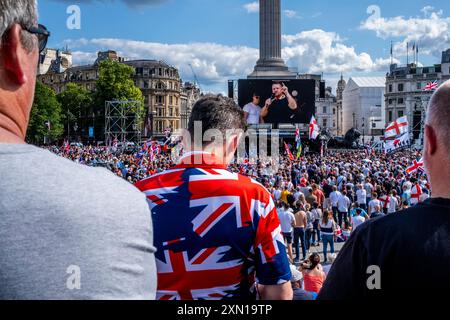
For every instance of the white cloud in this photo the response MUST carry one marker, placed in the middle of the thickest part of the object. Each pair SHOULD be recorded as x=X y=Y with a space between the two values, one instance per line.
x=312 y=51
x=291 y=14
x=252 y=7
x=317 y=14
x=212 y=62
x=431 y=31
x=317 y=51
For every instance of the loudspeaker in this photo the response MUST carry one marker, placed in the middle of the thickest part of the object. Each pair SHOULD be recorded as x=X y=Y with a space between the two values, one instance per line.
x=231 y=89
x=322 y=89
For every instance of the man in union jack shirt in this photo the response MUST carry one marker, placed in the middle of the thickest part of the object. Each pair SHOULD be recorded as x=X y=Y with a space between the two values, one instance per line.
x=216 y=232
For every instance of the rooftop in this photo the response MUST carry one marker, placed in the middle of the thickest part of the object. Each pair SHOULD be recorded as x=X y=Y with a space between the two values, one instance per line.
x=364 y=82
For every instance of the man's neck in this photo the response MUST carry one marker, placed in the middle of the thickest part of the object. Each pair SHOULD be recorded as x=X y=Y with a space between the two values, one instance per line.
x=7 y=136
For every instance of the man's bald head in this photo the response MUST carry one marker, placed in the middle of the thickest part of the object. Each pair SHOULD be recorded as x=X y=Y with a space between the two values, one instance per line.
x=438 y=114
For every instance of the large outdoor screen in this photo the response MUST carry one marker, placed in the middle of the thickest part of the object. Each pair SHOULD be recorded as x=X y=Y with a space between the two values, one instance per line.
x=303 y=91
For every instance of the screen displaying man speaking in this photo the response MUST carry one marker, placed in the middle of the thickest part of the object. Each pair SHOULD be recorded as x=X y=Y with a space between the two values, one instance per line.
x=280 y=106
x=281 y=102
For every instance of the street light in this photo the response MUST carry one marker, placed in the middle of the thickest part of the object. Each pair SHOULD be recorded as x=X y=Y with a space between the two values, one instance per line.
x=354 y=120
x=363 y=127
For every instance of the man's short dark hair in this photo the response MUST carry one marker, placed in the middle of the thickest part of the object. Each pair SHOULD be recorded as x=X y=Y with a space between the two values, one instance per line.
x=216 y=112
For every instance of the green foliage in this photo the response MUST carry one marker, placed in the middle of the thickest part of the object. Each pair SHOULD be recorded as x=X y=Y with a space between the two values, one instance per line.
x=115 y=82
x=45 y=108
x=75 y=101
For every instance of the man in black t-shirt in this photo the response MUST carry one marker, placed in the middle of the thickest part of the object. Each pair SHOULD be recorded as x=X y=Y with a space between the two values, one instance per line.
x=279 y=109
x=408 y=252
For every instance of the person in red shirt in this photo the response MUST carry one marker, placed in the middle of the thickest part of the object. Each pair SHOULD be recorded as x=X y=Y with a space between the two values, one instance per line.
x=319 y=195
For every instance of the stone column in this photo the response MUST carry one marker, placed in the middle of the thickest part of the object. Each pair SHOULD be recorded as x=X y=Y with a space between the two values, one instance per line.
x=270 y=63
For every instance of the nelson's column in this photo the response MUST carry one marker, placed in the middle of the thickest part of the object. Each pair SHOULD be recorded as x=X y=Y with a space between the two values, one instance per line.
x=270 y=64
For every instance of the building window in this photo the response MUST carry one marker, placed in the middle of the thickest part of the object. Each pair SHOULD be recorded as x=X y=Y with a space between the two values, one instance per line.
x=146 y=84
x=334 y=112
x=400 y=100
x=324 y=109
x=400 y=87
x=390 y=88
x=170 y=112
x=160 y=99
x=324 y=123
x=390 y=116
x=400 y=113
x=419 y=85
x=145 y=72
x=171 y=100
x=390 y=101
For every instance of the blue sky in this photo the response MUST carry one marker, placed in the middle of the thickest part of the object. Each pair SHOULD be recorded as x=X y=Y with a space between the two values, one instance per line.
x=220 y=37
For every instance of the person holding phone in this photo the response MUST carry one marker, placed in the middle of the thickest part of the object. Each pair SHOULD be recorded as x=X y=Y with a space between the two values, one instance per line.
x=280 y=107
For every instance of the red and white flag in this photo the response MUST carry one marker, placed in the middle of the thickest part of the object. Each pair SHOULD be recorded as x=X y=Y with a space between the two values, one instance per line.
x=396 y=128
x=396 y=143
x=416 y=192
x=416 y=165
x=431 y=86
x=288 y=152
x=314 y=129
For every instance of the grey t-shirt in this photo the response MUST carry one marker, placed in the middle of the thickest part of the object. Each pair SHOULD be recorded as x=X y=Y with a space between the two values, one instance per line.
x=71 y=232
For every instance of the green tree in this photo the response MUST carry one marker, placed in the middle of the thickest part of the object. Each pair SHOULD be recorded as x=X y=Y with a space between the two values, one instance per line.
x=115 y=82
x=46 y=110
x=75 y=102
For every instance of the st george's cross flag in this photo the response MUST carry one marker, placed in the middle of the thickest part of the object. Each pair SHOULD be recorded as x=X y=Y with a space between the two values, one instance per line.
x=314 y=129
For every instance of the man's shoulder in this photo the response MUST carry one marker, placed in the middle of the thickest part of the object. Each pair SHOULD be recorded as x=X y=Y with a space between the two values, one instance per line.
x=402 y=223
x=155 y=180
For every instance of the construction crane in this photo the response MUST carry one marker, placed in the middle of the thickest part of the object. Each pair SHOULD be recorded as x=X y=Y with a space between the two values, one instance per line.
x=196 y=83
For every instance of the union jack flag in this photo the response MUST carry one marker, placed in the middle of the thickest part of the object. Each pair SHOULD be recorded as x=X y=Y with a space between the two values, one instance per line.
x=431 y=86
x=213 y=229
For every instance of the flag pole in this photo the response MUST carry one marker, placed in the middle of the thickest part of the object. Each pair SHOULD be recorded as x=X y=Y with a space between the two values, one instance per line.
x=407 y=53
x=391 y=53
x=417 y=53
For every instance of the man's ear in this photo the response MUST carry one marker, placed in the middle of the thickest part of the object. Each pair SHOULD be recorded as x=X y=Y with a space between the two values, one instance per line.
x=13 y=55
x=430 y=141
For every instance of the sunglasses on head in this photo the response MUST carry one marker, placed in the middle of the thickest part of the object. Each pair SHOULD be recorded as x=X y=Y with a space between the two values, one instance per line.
x=42 y=34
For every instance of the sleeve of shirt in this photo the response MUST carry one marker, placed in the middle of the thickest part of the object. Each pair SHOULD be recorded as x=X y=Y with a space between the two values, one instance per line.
x=246 y=108
x=347 y=277
x=271 y=262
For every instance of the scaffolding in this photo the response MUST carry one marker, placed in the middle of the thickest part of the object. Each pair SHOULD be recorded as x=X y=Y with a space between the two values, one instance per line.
x=420 y=105
x=122 y=121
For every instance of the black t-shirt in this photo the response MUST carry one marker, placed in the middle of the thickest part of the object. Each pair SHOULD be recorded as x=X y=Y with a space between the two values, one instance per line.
x=279 y=112
x=411 y=249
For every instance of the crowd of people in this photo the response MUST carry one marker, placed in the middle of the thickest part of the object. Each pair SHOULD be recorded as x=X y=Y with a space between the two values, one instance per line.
x=319 y=199
x=192 y=229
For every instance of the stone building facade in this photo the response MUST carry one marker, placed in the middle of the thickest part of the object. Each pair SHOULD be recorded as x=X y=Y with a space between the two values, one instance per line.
x=406 y=94
x=160 y=84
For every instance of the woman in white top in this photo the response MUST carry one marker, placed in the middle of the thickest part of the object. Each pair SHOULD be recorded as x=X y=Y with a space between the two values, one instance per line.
x=327 y=228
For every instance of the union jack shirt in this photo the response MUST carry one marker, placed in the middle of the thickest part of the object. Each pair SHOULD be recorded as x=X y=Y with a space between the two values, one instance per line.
x=216 y=232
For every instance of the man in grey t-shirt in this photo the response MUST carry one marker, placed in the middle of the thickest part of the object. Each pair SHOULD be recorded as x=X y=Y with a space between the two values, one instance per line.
x=66 y=231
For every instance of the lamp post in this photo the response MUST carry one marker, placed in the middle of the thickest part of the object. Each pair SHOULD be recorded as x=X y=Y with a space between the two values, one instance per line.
x=363 y=127
x=152 y=117
x=354 y=120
